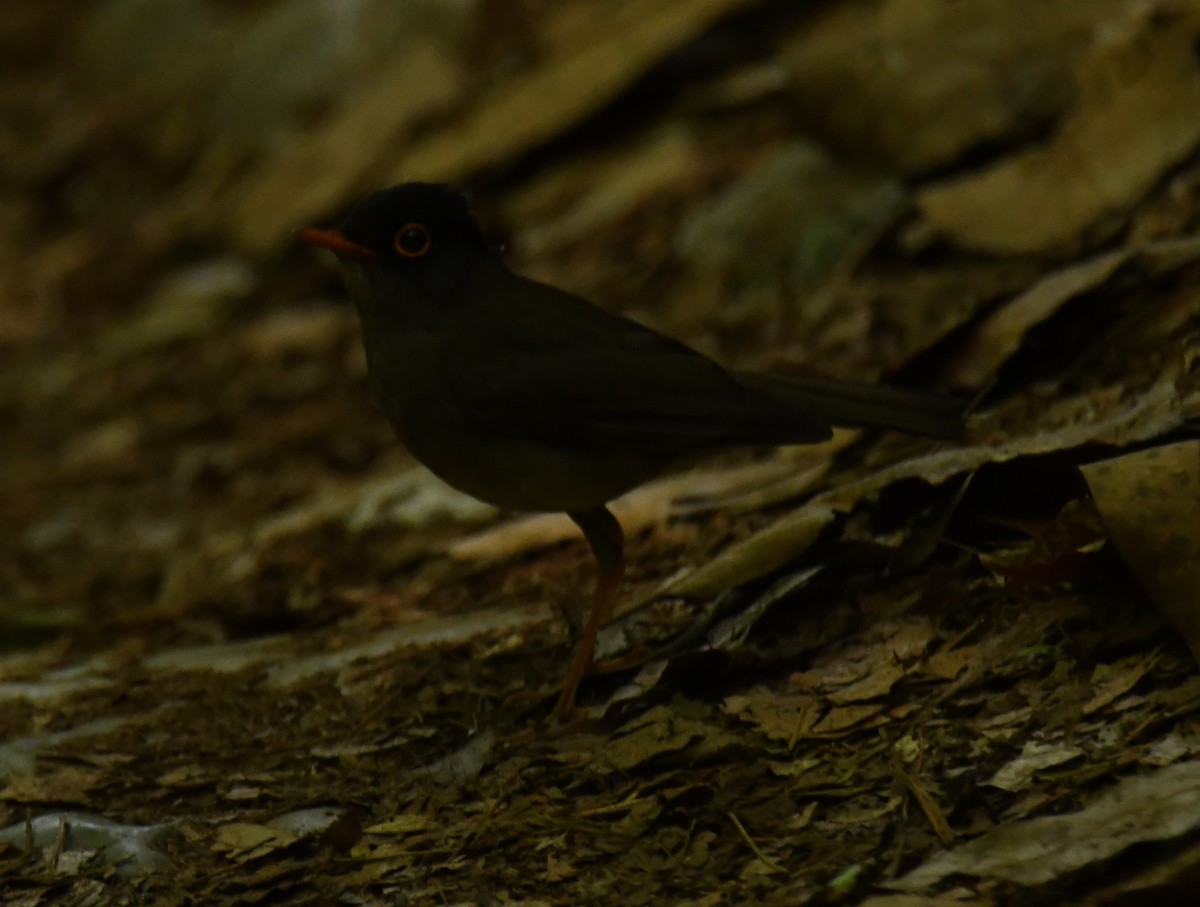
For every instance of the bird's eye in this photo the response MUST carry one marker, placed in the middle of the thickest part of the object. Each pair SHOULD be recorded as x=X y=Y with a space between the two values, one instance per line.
x=412 y=241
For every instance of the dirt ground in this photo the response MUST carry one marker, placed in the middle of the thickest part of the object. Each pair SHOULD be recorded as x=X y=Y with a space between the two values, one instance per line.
x=251 y=652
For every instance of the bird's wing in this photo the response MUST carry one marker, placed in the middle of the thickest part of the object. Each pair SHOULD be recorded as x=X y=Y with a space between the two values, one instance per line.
x=560 y=371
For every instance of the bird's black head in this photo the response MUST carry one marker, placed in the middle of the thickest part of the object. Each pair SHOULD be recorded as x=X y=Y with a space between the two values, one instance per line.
x=407 y=252
x=412 y=222
x=404 y=225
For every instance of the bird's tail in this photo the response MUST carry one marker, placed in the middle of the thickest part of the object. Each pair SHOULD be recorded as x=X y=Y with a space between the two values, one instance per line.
x=853 y=405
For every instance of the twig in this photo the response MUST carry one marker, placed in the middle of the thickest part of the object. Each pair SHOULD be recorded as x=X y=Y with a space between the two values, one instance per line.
x=933 y=812
x=767 y=861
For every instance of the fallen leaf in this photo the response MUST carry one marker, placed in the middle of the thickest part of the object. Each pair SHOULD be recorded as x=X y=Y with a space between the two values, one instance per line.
x=885 y=675
x=584 y=195
x=659 y=731
x=1140 y=90
x=782 y=717
x=948 y=665
x=999 y=335
x=1111 y=681
x=547 y=100
x=1155 y=807
x=932 y=80
x=840 y=721
x=1034 y=757
x=730 y=633
x=248 y=841
x=761 y=553
x=68 y=784
x=400 y=825
x=1149 y=501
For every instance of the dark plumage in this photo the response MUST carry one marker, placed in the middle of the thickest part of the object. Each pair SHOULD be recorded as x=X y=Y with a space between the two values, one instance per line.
x=531 y=398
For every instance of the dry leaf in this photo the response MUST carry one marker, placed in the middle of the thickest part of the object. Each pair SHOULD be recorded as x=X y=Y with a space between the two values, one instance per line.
x=660 y=730
x=1149 y=501
x=756 y=556
x=782 y=717
x=401 y=825
x=1111 y=681
x=885 y=675
x=1155 y=807
x=999 y=335
x=1035 y=756
x=553 y=97
x=583 y=196
x=931 y=80
x=1137 y=120
x=840 y=721
x=247 y=841
x=68 y=784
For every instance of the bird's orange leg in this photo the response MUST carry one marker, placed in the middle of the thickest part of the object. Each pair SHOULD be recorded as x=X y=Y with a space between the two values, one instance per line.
x=607 y=542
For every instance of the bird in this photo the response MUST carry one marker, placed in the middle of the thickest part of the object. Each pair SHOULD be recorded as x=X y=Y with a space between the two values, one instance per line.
x=533 y=399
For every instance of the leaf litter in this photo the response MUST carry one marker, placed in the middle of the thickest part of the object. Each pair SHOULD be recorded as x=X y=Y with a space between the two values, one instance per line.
x=286 y=663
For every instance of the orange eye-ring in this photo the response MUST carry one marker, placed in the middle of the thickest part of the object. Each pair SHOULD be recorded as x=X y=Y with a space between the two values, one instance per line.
x=412 y=240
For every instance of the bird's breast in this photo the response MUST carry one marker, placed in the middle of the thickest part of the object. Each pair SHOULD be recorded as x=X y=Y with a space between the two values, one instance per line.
x=480 y=452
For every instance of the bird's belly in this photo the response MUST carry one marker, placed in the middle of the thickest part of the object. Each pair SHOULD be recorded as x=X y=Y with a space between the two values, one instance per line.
x=518 y=474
